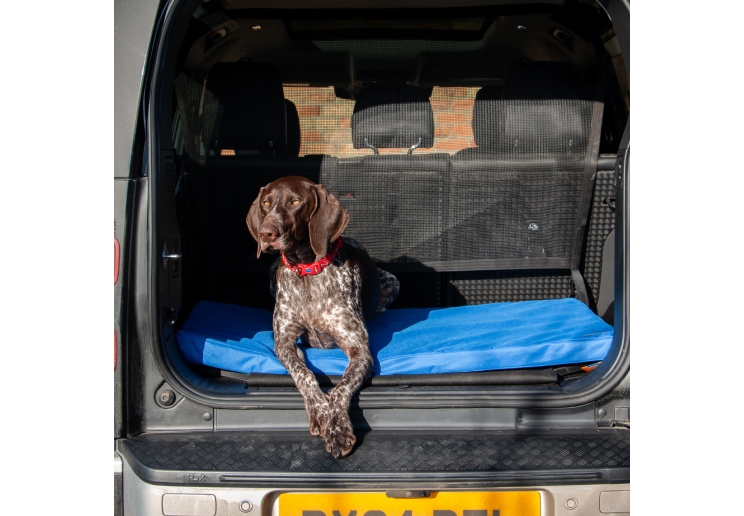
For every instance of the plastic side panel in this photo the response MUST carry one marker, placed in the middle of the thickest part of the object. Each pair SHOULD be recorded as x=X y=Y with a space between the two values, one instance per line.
x=123 y=193
x=601 y=223
x=144 y=381
x=133 y=26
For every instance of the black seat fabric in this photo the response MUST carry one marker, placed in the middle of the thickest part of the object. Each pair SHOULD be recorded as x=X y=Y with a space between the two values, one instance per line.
x=294 y=138
x=395 y=200
x=395 y=204
x=393 y=117
x=539 y=113
x=244 y=110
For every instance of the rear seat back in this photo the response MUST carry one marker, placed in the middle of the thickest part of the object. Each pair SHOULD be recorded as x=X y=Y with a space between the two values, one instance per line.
x=394 y=204
x=394 y=199
x=517 y=202
x=523 y=195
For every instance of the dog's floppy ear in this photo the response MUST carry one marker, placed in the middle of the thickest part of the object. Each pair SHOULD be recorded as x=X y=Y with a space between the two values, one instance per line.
x=327 y=222
x=253 y=220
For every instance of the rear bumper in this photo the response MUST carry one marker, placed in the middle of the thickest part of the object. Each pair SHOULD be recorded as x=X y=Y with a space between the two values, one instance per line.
x=231 y=468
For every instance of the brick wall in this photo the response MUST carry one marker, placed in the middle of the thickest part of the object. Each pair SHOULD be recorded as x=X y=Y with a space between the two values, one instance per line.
x=325 y=121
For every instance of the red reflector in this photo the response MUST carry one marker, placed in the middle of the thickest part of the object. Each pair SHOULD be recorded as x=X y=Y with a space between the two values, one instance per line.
x=116 y=260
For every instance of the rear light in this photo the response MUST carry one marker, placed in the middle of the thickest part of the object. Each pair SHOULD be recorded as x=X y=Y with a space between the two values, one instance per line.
x=116 y=260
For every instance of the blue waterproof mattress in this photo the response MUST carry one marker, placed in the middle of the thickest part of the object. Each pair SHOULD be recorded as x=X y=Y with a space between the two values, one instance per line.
x=411 y=341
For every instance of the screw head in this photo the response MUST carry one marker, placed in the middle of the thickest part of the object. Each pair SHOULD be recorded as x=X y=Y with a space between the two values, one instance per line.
x=571 y=503
x=207 y=416
x=167 y=397
x=245 y=506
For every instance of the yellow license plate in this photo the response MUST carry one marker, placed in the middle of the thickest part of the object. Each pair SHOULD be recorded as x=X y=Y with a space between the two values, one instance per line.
x=439 y=503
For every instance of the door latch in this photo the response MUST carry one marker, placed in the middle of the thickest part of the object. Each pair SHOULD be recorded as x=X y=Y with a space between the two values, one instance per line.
x=169 y=256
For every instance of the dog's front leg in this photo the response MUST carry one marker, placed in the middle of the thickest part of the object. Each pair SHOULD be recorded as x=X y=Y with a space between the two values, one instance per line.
x=352 y=338
x=316 y=402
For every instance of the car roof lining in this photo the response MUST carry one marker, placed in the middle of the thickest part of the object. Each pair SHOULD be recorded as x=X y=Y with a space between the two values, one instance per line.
x=509 y=35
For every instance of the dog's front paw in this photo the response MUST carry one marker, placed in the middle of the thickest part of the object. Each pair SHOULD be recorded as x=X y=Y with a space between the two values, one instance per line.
x=338 y=433
x=318 y=414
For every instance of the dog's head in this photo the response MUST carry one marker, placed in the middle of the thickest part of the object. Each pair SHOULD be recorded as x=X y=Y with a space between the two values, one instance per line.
x=293 y=211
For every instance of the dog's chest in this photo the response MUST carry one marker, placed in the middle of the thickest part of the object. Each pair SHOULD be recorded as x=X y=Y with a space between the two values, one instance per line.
x=333 y=293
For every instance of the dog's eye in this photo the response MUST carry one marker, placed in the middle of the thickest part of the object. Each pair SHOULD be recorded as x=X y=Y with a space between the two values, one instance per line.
x=295 y=201
x=266 y=203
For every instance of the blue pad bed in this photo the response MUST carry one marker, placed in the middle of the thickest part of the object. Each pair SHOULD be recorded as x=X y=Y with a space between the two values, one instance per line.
x=495 y=336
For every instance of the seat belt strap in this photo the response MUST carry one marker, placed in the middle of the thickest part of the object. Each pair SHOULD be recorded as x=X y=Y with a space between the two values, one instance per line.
x=580 y=285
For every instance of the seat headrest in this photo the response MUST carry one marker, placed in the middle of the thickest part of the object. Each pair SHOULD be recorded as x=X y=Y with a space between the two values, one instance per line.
x=245 y=104
x=294 y=139
x=392 y=116
x=540 y=112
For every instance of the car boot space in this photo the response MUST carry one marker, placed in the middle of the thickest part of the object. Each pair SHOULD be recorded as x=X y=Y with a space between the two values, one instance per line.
x=477 y=166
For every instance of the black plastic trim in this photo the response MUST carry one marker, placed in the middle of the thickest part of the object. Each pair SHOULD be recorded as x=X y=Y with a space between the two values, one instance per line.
x=386 y=458
x=606 y=162
x=509 y=377
x=512 y=478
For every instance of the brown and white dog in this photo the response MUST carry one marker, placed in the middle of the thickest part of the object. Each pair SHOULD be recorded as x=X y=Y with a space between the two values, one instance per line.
x=326 y=287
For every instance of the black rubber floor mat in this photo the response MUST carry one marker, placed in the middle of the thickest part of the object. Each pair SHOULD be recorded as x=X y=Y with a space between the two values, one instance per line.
x=219 y=458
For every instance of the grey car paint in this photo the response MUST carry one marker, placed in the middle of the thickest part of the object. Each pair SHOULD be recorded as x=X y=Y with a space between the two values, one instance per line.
x=134 y=21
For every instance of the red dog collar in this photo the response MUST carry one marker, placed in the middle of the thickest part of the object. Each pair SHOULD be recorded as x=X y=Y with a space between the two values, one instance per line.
x=310 y=269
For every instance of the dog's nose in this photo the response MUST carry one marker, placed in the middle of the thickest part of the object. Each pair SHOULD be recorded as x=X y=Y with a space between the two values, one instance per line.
x=268 y=232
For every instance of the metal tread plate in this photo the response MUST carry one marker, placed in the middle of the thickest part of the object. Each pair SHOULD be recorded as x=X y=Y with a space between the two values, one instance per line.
x=597 y=456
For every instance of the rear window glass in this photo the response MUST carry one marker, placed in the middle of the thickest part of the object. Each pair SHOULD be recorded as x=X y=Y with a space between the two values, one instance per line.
x=448 y=28
x=325 y=121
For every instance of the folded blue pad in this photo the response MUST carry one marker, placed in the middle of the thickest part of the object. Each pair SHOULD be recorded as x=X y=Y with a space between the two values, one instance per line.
x=413 y=340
